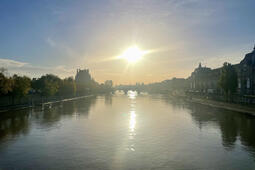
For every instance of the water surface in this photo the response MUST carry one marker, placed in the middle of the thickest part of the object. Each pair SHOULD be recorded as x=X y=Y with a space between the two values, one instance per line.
x=127 y=132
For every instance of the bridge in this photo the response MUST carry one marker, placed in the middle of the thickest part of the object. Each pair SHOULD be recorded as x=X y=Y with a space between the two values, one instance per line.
x=127 y=88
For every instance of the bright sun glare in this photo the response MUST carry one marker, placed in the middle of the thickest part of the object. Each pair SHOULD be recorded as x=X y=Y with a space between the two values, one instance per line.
x=133 y=54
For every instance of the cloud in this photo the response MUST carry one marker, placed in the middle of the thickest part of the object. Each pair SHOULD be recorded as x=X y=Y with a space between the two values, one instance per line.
x=51 y=42
x=22 y=68
x=7 y=63
x=62 y=47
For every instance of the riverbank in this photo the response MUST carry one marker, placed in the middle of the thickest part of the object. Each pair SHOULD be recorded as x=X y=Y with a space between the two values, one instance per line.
x=223 y=105
x=19 y=107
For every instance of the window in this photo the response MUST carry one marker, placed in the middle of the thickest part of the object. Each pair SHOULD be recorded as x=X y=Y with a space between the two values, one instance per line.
x=239 y=83
x=248 y=85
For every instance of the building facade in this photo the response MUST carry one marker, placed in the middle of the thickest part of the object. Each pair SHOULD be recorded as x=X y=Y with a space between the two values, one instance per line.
x=246 y=74
x=205 y=80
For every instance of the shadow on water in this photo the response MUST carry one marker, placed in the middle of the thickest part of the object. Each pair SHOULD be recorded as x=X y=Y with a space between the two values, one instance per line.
x=108 y=99
x=82 y=107
x=16 y=123
x=176 y=103
x=233 y=126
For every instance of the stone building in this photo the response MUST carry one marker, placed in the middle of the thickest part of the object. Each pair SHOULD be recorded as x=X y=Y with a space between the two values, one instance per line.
x=205 y=80
x=83 y=76
x=246 y=74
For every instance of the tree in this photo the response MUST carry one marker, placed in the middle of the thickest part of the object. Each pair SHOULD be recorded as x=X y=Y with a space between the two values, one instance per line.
x=67 y=87
x=108 y=83
x=107 y=86
x=228 y=79
x=5 y=85
x=21 y=85
x=47 y=85
x=3 y=70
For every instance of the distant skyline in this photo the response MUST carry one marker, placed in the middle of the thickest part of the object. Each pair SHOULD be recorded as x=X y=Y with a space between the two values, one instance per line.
x=59 y=36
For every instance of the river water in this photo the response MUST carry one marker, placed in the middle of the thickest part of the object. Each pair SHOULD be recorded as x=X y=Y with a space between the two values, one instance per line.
x=127 y=132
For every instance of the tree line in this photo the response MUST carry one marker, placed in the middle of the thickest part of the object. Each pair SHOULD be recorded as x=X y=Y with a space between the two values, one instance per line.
x=49 y=85
x=83 y=84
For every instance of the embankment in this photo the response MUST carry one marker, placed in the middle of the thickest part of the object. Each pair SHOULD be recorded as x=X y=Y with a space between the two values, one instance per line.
x=24 y=106
x=247 y=109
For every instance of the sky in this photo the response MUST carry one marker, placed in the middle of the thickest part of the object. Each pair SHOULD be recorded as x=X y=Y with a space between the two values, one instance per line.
x=59 y=36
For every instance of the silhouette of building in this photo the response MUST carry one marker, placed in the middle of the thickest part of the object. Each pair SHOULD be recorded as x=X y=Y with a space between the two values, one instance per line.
x=205 y=80
x=246 y=74
x=83 y=76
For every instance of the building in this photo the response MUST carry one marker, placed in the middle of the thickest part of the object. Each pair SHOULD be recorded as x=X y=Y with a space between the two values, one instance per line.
x=205 y=80
x=83 y=76
x=246 y=74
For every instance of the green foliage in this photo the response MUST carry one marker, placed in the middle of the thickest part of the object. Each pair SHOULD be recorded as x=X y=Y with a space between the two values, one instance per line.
x=67 y=87
x=228 y=79
x=6 y=85
x=47 y=85
x=82 y=88
x=50 y=85
x=21 y=85
x=87 y=86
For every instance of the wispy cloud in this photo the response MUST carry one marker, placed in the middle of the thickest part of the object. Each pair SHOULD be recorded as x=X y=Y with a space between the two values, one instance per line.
x=51 y=42
x=64 y=48
x=7 y=63
x=23 y=68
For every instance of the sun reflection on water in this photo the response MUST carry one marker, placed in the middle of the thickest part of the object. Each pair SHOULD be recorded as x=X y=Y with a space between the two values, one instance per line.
x=132 y=121
x=132 y=95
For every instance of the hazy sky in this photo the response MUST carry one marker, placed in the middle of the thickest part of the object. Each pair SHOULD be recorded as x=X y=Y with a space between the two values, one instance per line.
x=58 y=36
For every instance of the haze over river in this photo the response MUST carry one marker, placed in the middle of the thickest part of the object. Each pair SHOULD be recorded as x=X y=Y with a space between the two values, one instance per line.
x=127 y=132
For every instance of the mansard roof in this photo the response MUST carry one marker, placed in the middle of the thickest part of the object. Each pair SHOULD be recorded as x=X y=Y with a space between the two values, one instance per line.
x=249 y=58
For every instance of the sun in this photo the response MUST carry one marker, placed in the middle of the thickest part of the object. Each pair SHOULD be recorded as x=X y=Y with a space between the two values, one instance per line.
x=133 y=54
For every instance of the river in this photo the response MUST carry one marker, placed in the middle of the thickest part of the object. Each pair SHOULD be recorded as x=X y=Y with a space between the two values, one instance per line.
x=127 y=132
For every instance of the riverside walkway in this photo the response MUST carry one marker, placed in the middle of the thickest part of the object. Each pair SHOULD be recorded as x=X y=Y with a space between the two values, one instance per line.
x=223 y=105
